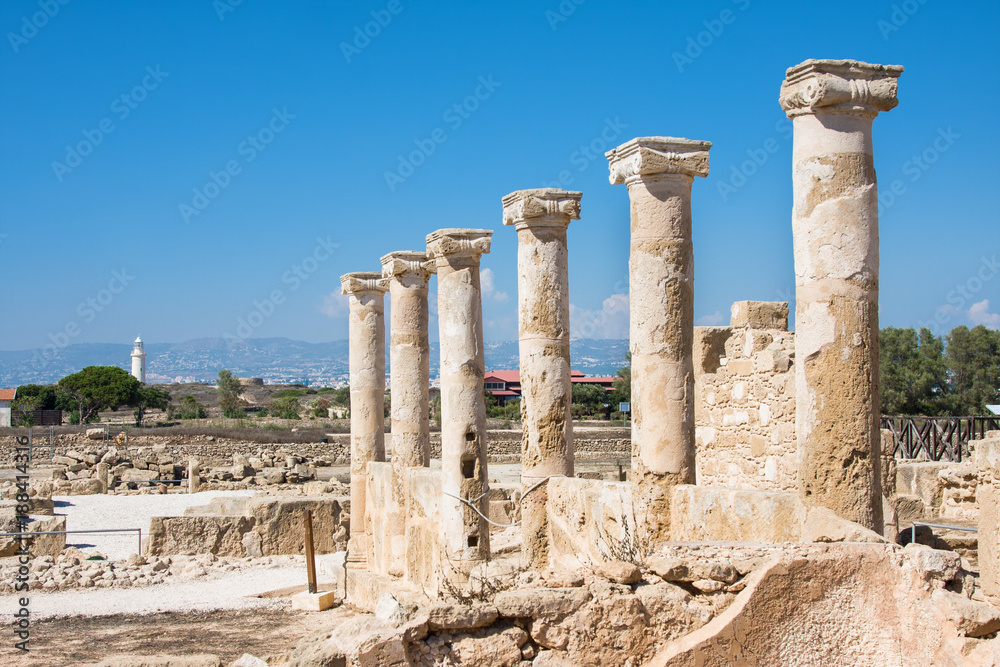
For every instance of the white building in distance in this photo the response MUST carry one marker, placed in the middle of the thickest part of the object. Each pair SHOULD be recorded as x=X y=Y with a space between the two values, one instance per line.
x=138 y=360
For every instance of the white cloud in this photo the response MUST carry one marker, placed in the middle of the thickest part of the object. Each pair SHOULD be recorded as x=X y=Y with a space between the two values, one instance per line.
x=980 y=313
x=713 y=320
x=334 y=305
x=611 y=321
x=486 y=281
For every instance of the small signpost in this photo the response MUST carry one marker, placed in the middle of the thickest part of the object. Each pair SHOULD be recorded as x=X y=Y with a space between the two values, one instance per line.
x=624 y=408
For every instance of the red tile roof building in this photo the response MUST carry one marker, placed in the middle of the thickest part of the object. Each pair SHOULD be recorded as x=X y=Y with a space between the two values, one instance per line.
x=506 y=385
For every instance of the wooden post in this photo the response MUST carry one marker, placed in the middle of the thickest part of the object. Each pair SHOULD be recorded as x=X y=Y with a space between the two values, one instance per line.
x=310 y=553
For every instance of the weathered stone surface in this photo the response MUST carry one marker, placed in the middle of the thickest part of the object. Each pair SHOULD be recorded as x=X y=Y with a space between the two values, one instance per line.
x=618 y=572
x=444 y=616
x=389 y=610
x=541 y=602
x=659 y=172
x=219 y=535
x=136 y=475
x=541 y=218
x=199 y=660
x=362 y=641
x=95 y=433
x=497 y=650
x=835 y=237
x=366 y=334
x=933 y=564
x=972 y=619
x=464 y=467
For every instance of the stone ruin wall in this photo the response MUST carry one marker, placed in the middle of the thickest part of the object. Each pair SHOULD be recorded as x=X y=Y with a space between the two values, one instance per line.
x=745 y=400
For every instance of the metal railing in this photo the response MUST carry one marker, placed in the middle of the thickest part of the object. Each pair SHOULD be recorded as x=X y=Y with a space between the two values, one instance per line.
x=937 y=438
x=29 y=534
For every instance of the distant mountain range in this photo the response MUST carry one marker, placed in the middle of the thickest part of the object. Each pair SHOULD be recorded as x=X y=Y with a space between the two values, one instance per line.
x=277 y=360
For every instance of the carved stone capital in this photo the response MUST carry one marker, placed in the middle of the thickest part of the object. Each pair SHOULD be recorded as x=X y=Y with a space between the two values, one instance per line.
x=839 y=86
x=354 y=283
x=407 y=263
x=650 y=156
x=543 y=206
x=450 y=242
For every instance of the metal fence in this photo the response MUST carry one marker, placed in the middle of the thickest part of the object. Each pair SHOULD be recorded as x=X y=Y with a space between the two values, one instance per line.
x=937 y=438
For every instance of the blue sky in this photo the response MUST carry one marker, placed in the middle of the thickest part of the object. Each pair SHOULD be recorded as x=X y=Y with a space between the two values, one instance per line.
x=170 y=168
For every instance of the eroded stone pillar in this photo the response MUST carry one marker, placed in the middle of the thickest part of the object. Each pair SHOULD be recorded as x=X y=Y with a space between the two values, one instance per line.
x=541 y=218
x=366 y=339
x=463 y=411
x=832 y=104
x=409 y=371
x=659 y=172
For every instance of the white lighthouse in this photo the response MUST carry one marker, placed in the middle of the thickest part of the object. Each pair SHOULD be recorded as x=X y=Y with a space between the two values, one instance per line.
x=138 y=360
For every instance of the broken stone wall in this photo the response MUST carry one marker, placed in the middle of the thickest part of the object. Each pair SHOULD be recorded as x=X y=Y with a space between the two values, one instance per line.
x=745 y=400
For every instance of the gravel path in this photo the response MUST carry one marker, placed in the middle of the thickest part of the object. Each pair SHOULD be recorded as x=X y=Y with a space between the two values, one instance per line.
x=111 y=511
x=228 y=591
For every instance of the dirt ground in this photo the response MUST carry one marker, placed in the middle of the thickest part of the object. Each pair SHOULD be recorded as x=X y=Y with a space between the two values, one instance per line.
x=81 y=640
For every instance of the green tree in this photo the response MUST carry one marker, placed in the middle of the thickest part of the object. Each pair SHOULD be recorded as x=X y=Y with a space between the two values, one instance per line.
x=913 y=375
x=190 y=408
x=341 y=397
x=320 y=407
x=590 y=397
x=622 y=392
x=149 y=398
x=97 y=388
x=229 y=389
x=285 y=408
x=973 y=361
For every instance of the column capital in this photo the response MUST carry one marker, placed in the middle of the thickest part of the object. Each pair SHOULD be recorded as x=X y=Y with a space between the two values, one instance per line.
x=361 y=281
x=407 y=263
x=839 y=86
x=542 y=207
x=451 y=242
x=652 y=156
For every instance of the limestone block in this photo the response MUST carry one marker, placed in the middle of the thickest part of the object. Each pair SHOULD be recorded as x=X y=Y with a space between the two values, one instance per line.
x=759 y=315
x=497 y=650
x=973 y=619
x=449 y=617
x=709 y=348
x=85 y=487
x=136 y=475
x=219 y=535
x=541 y=603
x=95 y=433
x=280 y=523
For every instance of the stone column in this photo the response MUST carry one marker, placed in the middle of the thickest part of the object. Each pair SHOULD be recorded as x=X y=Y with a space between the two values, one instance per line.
x=366 y=333
x=463 y=411
x=541 y=218
x=194 y=476
x=659 y=172
x=832 y=104
x=409 y=370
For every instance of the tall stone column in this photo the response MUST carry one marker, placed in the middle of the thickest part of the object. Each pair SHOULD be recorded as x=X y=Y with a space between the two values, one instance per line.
x=366 y=334
x=659 y=172
x=409 y=371
x=541 y=218
x=832 y=104
x=463 y=411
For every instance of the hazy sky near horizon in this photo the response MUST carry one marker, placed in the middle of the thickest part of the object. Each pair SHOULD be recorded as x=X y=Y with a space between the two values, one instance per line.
x=173 y=168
